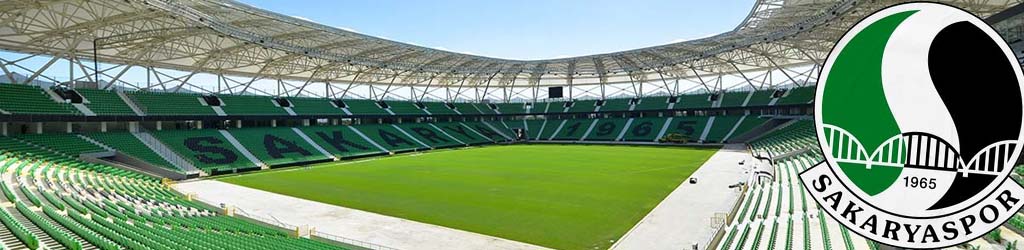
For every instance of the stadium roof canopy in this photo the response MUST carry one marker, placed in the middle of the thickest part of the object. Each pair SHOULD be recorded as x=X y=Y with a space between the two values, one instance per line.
x=232 y=38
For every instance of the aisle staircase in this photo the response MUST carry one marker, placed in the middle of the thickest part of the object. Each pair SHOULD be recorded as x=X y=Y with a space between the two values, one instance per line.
x=9 y=241
x=45 y=241
x=166 y=152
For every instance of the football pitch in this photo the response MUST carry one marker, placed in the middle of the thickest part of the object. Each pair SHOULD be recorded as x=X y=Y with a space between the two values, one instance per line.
x=557 y=196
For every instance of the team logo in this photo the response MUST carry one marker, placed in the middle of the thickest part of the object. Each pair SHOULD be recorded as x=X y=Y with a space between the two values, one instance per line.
x=919 y=114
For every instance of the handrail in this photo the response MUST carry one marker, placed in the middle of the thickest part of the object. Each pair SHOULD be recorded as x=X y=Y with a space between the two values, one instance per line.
x=164 y=151
x=331 y=237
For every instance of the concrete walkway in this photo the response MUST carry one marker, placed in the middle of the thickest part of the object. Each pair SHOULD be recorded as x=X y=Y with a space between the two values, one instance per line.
x=345 y=222
x=684 y=217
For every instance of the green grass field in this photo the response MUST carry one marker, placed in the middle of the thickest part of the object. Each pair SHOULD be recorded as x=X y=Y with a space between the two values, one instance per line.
x=558 y=196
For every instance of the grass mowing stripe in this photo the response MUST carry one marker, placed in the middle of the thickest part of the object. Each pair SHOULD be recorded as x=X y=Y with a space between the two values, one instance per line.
x=558 y=196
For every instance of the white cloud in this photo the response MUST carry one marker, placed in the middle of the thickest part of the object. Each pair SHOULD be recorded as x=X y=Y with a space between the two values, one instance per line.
x=347 y=29
x=304 y=18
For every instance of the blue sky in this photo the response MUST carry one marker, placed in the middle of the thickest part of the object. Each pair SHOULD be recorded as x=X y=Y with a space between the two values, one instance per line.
x=523 y=29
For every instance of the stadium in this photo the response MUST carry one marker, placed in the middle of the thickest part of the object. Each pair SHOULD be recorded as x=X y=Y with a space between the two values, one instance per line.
x=215 y=124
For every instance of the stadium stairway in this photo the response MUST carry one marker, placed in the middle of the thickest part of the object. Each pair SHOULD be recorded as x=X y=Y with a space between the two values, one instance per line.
x=165 y=152
x=498 y=127
x=425 y=133
x=57 y=230
x=62 y=206
x=769 y=125
x=389 y=137
x=618 y=104
x=152 y=103
x=466 y=108
x=551 y=128
x=776 y=212
x=572 y=130
x=511 y=108
x=540 y=107
x=534 y=128
x=314 y=106
x=277 y=146
x=584 y=106
x=126 y=143
x=486 y=131
x=8 y=239
x=44 y=239
x=607 y=129
x=128 y=101
x=766 y=205
x=405 y=108
x=65 y=143
x=250 y=105
x=341 y=142
x=463 y=133
x=799 y=95
x=794 y=138
x=644 y=129
x=241 y=148
x=743 y=127
x=695 y=128
x=206 y=149
x=410 y=136
x=24 y=99
x=695 y=101
x=103 y=102
x=439 y=108
x=652 y=103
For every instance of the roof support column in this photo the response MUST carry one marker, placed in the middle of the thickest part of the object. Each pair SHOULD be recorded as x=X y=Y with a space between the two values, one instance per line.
x=426 y=89
x=85 y=71
x=40 y=71
x=185 y=81
x=743 y=75
x=535 y=82
x=350 y=83
x=509 y=88
x=663 y=81
x=388 y=88
x=308 y=80
x=71 y=70
x=7 y=72
x=810 y=73
x=783 y=71
x=487 y=87
x=632 y=83
x=569 y=77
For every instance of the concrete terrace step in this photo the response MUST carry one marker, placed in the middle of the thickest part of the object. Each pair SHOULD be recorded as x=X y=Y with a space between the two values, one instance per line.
x=10 y=241
x=85 y=244
x=45 y=241
x=130 y=103
x=165 y=152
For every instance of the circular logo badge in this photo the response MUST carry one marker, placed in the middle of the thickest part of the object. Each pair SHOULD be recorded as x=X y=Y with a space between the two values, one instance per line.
x=919 y=118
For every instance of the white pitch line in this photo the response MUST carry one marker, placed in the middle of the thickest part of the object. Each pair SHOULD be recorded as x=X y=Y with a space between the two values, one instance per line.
x=345 y=222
